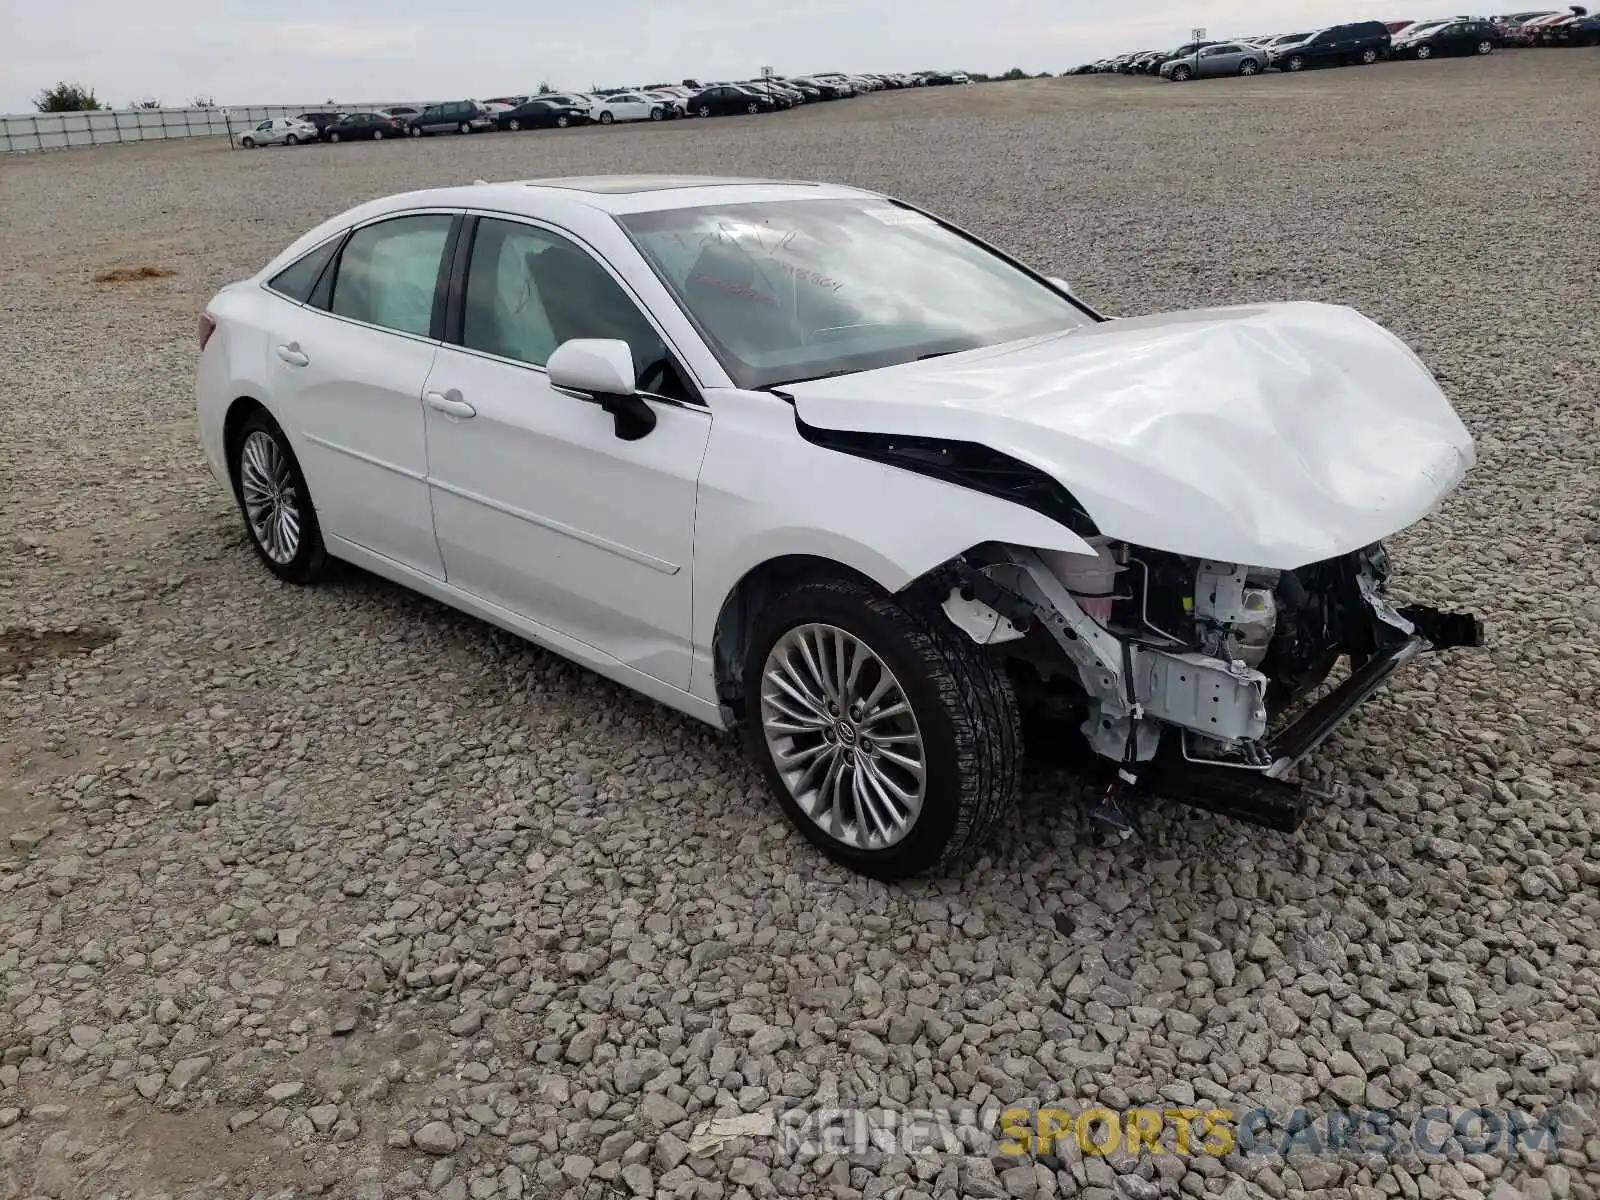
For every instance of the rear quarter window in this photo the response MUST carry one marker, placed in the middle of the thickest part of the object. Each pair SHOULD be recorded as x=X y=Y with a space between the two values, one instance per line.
x=297 y=281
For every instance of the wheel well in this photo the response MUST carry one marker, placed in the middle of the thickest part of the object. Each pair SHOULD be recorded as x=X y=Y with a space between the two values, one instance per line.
x=238 y=412
x=730 y=643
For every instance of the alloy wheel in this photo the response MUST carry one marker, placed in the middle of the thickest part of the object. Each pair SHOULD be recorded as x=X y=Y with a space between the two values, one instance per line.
x=843 y=736
x=271 y=503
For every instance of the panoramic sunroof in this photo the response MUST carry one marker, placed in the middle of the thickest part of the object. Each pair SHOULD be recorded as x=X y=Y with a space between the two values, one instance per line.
x=619 y=184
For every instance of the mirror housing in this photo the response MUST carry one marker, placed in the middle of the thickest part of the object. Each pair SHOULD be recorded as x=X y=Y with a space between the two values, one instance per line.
x=597 y=366
x=601 y=371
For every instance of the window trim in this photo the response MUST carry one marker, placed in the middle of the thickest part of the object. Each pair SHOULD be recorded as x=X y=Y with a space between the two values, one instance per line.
x=454 y=317
x=338 y=249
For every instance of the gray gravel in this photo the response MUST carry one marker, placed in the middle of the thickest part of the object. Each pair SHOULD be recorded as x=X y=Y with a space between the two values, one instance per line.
x=336 y=892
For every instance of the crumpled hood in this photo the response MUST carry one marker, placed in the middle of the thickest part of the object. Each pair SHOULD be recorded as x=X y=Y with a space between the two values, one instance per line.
x=1270 y=435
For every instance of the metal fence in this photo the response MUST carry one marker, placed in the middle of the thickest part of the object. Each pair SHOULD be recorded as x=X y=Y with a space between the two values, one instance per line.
x=58 y=131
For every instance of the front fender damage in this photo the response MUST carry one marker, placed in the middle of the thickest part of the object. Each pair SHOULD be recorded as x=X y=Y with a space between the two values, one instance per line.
x=1169 y=715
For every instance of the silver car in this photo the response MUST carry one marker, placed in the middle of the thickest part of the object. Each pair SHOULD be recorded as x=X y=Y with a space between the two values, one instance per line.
x=279 y=131
x=1227 y=58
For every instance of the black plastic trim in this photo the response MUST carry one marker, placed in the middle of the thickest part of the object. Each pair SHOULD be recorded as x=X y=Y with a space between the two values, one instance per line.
x=1021 y=483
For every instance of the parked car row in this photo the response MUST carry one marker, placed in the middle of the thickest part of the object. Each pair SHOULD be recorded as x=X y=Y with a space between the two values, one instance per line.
x=1355 y=43
x=561 y=110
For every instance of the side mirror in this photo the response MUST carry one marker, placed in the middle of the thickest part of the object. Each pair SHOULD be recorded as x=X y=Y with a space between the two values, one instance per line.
x=600 y=371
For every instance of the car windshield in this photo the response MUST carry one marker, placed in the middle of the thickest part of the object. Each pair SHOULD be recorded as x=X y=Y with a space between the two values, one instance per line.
x=800 y=289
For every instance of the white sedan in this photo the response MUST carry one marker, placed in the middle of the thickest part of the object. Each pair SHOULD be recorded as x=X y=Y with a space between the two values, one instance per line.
x=627 y=106
x=807 y=461
x=279 y=131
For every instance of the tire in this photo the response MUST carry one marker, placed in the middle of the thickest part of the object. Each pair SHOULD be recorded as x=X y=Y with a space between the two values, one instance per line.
x=606 y=118
x=1249 y=67
x=656 y=114
x=562 y=121
x=965 y=714
x=1297 y=63
x=1485 y=47
x=703 y=111
x=514 y=125
x=464 y=127
x=752 y=108
x=1369 y=56
x=248 y=143
x=252 y=460
x=1179 y=74
x=334 y=138
x=292 y=139
x=416 y=131
x=377 y=135
x=1424 y=52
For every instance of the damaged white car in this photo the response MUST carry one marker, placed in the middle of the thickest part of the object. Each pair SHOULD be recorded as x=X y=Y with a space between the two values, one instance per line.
x=807 y=461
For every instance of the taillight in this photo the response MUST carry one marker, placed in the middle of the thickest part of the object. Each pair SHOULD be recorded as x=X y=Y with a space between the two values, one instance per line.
x=208 y=326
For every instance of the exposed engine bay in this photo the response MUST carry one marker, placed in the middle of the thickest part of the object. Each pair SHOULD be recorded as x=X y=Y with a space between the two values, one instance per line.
x=1189 y=671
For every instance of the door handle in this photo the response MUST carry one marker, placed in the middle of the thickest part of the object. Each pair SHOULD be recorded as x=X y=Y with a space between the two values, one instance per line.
x=293 y=355
x=450 y=403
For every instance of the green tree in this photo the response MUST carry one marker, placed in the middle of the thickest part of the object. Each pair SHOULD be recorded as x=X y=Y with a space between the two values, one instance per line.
x=67 y=97
x=1015 y=73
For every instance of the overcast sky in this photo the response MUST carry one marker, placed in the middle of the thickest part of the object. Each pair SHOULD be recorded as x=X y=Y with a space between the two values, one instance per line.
x=297 y=51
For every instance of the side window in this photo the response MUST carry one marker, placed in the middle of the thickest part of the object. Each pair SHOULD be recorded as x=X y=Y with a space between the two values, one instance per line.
x=264 y=126
x=529 y=290
x=298 y=279
x=388 y=273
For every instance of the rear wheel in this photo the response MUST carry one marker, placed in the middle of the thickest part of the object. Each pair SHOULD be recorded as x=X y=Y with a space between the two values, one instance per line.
x=277 y=508
x=1249 y=67
x=1369 y=56
x=333 y=137
x=1485 y=47
x=416 y=131
x=752 y=108
x=377 y=135
x=464 y=127
x=703 y=111
x=1179 y=74
x=1424 y=51
x=514 y=125
x=889 y=738
x=292 y=140
x=562 y=121
x=1297 y=63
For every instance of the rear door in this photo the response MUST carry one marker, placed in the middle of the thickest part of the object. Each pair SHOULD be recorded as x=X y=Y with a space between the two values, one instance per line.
x=347 y=369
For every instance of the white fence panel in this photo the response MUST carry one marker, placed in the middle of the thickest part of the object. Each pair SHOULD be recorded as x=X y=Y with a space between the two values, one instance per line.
x=21 y=132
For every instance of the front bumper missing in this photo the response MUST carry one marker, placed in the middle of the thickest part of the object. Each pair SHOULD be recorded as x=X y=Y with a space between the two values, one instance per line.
x=1264 y=797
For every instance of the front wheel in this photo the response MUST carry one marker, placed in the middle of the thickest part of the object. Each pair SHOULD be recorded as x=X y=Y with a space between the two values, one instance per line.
x=272 y=493
x=1179 y=74
x=1424 y=51
x=377 y=135
x=416 y=131
x=656 y=114
x=561 y=121
x=1485 y=47
x=1249 y=67
x=703 y=111
x=248 y=143
x=1297 y=63
x=606 y=118
x=891 y=741
x=333 y=137
x=752 y=108
x=1369 y=56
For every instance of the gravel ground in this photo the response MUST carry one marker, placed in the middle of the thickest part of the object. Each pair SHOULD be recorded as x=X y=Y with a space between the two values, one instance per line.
x=336 y=892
